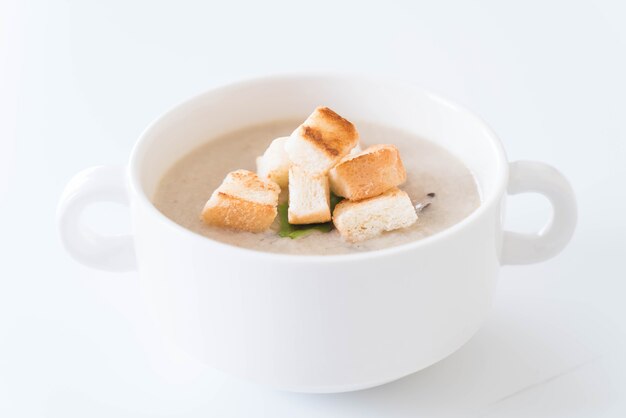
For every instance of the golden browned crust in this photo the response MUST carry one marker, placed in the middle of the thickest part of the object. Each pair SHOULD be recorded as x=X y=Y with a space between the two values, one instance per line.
x=310 y=218
x=232 y=212
x=314 y=135
x=347 y=204
x=368 y=173
x=253 y=182
x=331 y=133
x=331 y=116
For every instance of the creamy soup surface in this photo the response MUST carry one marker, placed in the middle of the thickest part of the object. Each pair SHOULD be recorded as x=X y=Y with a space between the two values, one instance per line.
x=185 y=188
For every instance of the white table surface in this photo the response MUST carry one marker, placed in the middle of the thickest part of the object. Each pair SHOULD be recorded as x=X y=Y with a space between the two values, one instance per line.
x=79 y=81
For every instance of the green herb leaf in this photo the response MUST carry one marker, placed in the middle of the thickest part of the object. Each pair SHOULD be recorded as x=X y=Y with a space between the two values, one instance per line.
x=288 y=230
x=334 y=199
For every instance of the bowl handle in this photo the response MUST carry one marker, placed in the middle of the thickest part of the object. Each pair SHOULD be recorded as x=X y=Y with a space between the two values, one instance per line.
x=532 y=176
x=96 y=184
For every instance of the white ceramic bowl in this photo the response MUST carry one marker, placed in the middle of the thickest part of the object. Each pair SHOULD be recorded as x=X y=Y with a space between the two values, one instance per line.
x=317 y=323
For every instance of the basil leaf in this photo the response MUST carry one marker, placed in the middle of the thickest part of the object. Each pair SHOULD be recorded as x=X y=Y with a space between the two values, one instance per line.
x=334 y=199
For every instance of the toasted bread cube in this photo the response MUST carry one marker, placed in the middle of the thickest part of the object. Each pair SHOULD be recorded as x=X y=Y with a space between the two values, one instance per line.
x=321 y=141
x=242 y=202
x=368 y=173
x=309 y=197
x=365 y=219
x=274 y=163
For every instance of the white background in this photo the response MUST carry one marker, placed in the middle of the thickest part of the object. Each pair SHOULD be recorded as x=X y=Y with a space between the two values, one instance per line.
x=80 y=79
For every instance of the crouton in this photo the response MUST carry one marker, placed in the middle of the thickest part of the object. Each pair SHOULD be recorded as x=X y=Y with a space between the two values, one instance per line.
x=309 y=197
x=365 y=219
x=242 y=202
x=368 y=173
x=321 y=141
x=274 y=163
